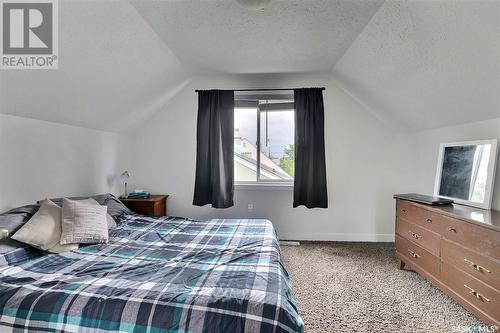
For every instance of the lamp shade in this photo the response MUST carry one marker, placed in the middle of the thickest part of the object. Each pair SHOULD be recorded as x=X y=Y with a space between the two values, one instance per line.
x=125 y=175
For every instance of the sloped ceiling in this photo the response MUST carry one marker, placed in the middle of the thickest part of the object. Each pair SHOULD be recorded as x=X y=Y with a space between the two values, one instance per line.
x=288 y=36
x=427 y=64
x=113 y=69
x=418 y=64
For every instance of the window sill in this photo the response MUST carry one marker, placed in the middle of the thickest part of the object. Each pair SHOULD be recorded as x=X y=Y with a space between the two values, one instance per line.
x=263 y=187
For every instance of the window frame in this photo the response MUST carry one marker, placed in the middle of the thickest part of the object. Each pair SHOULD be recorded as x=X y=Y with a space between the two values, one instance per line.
x=253 y=101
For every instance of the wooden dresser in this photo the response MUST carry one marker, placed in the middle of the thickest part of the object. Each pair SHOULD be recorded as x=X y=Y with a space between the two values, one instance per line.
x=457 y=248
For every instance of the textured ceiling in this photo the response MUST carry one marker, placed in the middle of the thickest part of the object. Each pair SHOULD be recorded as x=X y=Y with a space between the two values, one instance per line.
x=288 y=36
x=427 y=64
x=113 y=70
x=418 y=64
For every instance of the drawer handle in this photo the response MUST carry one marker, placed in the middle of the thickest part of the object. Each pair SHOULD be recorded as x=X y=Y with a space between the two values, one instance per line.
x=403 y=210
x=450 y=229
x=477 y=267
x=476 y=294
x=413 y=254
x=414 y=235
x=429 y=220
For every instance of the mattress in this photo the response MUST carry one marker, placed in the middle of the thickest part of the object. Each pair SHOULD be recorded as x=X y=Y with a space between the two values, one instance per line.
x=162 y=274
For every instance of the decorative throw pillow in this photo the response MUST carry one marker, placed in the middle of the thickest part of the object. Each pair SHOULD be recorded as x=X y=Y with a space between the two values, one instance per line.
x=43 y=230
x=83 y=223
x=109 y=219
x=115 y=206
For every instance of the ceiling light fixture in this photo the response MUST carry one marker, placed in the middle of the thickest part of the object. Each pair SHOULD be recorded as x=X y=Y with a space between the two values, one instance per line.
x=254 y=4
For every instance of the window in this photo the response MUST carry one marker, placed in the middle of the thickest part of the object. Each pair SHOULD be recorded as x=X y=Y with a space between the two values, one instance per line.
x=264 y=128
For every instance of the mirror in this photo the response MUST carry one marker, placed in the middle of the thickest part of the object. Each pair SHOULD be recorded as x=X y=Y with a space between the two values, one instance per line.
x=466 y=171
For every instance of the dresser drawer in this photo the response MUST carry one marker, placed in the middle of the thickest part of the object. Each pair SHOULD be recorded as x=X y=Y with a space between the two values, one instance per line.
x=483 y=268
x=418 y=215
x=472 y=290
x=417 y=255
x=421 y=236
x=480 y=239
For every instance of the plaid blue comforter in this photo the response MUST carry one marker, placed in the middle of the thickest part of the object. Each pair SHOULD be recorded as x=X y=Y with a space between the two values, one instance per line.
x=155 y=275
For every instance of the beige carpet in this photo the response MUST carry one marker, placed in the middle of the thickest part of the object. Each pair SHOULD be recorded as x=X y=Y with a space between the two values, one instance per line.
x=356 y=287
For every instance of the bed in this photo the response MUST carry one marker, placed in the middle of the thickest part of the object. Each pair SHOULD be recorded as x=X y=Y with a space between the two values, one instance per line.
x=162 y=274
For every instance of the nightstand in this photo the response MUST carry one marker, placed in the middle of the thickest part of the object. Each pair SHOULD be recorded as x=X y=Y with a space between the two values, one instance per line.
x=156 y=205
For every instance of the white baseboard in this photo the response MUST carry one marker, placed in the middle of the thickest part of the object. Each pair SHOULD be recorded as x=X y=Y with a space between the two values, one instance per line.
x=338 y=237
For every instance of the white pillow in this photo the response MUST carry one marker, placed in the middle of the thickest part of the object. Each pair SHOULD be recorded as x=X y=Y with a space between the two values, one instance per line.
x=83 y=223
x=109 y=219
x=43 y=230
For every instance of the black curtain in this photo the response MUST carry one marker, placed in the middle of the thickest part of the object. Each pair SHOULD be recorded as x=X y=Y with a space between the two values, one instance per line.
x=215 y=149
x=310 y=166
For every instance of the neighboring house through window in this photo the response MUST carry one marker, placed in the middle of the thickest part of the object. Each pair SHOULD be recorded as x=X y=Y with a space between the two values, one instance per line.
x=264 y=127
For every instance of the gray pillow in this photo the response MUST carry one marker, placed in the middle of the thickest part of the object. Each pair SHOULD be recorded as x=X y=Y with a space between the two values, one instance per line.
x=115 y=206
x=7 y=245
x=43 y=230
x=13 y=220
x=83 y=223
x=17 y=217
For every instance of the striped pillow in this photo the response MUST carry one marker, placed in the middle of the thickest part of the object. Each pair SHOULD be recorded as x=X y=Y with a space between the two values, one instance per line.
x=83 y=223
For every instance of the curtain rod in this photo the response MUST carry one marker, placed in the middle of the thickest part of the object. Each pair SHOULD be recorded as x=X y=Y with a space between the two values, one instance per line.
x=261 y=89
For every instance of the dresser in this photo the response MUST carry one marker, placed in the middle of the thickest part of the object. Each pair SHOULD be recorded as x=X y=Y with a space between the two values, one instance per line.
x=156 y=205
x=456 y=248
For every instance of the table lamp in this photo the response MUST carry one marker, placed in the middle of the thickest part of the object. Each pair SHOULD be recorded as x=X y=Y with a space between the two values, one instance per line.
x=125 y=176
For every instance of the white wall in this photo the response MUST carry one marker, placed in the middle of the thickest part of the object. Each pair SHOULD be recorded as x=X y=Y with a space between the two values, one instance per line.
x=40 y=159
x=428 y=148
x=366 y=165
x=367 y=162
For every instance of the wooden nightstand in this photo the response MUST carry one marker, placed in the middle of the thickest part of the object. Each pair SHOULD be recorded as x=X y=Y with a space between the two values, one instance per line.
x=156 y=205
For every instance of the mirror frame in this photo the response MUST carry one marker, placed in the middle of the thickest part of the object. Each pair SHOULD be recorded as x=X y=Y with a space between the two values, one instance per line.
x=490 y=180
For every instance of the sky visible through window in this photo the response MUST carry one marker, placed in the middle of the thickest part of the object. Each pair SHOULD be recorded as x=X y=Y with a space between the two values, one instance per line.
x=281 y=128
x=245 y=121
x=277 y=151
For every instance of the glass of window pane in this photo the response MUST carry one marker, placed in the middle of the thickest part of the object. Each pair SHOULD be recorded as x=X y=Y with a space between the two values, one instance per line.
x=277 y=157
x=245 y=150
